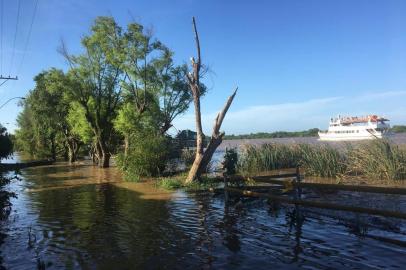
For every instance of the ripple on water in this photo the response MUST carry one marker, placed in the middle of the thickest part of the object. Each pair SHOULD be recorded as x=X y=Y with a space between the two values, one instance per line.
x=127 y=226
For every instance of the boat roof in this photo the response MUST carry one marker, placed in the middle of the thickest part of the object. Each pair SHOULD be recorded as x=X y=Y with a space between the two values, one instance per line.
x=360 y=119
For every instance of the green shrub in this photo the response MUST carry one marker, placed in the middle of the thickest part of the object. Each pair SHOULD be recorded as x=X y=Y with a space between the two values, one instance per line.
x=147 y=156
x=188 y=156
x=230 y=162
x=6 y=145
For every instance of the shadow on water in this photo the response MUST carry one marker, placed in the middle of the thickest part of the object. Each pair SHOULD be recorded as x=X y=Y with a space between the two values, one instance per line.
x=81 y=217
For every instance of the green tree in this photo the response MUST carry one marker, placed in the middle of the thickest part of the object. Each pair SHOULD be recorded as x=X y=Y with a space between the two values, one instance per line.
x=26 y=134
x=97 y=74
x=120 y=67
x=44 y=130
x=155 y=92
x=6 y=144
x=39 y=120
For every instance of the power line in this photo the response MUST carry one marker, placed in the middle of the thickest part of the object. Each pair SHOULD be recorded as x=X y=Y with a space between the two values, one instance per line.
x=15 y=36
x=29 y=36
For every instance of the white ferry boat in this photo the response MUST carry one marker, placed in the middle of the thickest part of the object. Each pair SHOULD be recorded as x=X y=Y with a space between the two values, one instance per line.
x=343 y=128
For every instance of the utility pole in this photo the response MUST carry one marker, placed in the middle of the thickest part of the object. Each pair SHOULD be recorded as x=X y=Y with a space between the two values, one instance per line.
x=5 y=79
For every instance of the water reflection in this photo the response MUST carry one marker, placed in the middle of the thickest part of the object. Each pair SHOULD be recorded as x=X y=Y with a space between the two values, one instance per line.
x=81 y=217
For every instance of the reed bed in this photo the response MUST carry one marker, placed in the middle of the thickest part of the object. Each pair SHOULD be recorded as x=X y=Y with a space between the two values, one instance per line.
x=254 y=159
x=380 y=160
x=377 y=160
x=322 y=160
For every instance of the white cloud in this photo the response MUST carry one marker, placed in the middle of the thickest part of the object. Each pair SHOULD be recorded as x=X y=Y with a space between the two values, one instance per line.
x=302 y=115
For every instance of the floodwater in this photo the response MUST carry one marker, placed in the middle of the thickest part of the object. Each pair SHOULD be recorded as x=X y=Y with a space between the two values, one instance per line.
x=397 y=138
x=82 y=217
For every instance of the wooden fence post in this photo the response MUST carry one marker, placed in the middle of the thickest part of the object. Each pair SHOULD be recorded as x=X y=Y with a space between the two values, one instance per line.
x=298 y=180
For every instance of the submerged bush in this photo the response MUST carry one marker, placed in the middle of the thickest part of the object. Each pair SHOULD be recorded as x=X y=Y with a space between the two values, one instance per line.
x=177 y=182
x=147 y=156
x=170 y=183
x=188 y=156
x=230 y=161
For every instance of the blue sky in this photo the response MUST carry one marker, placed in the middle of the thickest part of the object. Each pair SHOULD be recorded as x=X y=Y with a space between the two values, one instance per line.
x=296 y=63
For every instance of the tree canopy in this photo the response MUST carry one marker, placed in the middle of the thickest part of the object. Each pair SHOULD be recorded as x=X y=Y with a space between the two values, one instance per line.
x=122 y=89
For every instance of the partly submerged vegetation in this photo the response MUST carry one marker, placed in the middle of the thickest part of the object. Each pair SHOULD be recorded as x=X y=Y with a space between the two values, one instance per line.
x=374 y=160
x=6 y=149
x=178 y=182
x=118 y=98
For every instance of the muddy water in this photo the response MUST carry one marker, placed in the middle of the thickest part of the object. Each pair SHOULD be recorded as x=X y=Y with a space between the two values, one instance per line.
x=81 y=217
x=398 y=138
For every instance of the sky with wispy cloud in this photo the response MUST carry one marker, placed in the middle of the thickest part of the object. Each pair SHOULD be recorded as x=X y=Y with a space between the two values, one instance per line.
x=296 y=63
x=293 y=116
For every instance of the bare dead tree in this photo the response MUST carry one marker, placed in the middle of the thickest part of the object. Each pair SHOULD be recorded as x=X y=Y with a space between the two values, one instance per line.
x=203 y=156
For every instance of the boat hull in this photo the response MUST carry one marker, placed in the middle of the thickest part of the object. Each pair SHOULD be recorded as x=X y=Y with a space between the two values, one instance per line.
x=352 y=137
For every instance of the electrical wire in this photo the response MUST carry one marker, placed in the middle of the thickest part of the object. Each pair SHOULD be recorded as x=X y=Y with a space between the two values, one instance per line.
x=29 y=36
x=15 y=36
x=1 y=37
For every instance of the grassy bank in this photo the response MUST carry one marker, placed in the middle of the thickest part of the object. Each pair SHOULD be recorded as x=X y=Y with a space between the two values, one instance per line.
x=377 y=159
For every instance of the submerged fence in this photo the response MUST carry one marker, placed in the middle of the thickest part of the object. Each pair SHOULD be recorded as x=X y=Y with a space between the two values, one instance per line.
x=295 y=184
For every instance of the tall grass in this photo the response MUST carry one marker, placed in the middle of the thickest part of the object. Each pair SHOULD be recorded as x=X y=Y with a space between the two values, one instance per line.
x=377 y=160
x=380 y=160
x=266 y=157
x=322 y=160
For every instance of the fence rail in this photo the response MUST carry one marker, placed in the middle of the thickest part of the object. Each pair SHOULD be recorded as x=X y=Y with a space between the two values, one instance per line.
x=297 y=185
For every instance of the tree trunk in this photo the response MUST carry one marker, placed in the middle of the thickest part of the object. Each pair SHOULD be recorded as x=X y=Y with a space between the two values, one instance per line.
x=53 y=149
x=104 y=155
x=203 y=158
x=95 y=153
x=104 y=161
x=73 y=147
x=126 y=145
x=66 y=153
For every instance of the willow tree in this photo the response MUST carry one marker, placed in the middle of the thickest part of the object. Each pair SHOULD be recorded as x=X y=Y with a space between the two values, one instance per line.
x=155 y=92
x=97 y=74
x=43 y=129
x=203 y=156
x=175 y=96
x=54 y=102
x=153 y=84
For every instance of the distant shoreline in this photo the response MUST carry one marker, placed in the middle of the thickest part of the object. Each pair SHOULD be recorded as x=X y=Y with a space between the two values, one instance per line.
x=397 y=138
x=313 y=132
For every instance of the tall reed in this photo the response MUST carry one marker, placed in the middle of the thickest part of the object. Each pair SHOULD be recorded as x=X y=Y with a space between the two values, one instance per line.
x=379 y=160
x=375 y=160
x=267 y=157
x=322 y=160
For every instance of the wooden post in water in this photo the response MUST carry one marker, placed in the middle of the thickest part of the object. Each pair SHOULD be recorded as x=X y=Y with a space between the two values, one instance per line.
x=298 y=180
x=225 y=188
